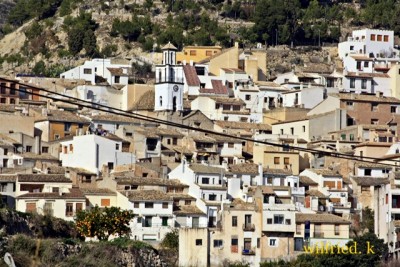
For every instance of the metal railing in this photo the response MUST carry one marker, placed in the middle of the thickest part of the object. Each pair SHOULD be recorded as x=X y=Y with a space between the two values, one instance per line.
x=248 y=251
x=249 y=227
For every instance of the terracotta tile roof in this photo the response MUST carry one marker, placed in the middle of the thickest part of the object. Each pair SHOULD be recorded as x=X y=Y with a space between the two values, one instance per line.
x=4 y=137
x=367 y=75
x=168 y=132
x=45 y=178
x=98 y=191
x=244 y=168
x=265 y=189
x=365 y=97
x=217 y=88
x=244 y=125
x=242 y=112
x=191 y=75
x=188 y=210
x=169 y=46
x=147 y=195
x=325 y=172
x=277 y=171
x=370 y=181
x=238 y=204
x=291 y=140
x=274 y=85
x=8 y=178
x=115 y=118
x=201 y=168
x=80 y=171
x=148 y=181
x=117 y=71
x=320 y=218
x=396 y=223
x=227 y=100
x=362 y=57
x=181 y=196
x=212 y=187
x=200 y=137
x=233 y=70
x=74 y=193
x=307 y=180
x=316 y=193
x=371 y=165
x=30 y=155
x=56 y=170
x=61 y=116
x=318 y=68
x=145 y=102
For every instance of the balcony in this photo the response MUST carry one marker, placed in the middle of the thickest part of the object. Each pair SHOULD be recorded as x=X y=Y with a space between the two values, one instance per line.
x=249 y=227
x=248 y=251
x=318 y=234
x=298 y=191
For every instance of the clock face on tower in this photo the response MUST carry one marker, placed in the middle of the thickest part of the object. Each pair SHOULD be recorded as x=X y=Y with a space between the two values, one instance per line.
x=175 y=88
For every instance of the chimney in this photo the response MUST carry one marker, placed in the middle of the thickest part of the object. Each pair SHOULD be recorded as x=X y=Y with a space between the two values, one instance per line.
x=260 y=169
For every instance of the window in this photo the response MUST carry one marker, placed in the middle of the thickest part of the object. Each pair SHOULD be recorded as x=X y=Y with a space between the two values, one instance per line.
x=366 y=64
x=286 y=161
x=188 y=202
x=379 y=38
x=217 y=243
x=28 y=148
x=147 y=221
x=205 y=180
x=375 y=121
x=281 y=131
x=351 y=47
x=266 y=199
x=3 y=88
x=276 y=160
x=71 y=147
x=148 y=205
x=56 y=136
x=269 y=180
x=45 y=149
x=288 y=222
x=367 y=172
x=69 y=210
x=212 y=197
x=374 y=106
x=87 y=71
x=234 y=242
x=230 y=145
x=105 y=202
x=349 y=103
x=175 y=141
x=165 y=205
x=372 y=37
x=164 y=221
x=273 y=242
x=386 y=38
x=352 y=83
x=393 y=109
x=291 y=130
x=67 y=127
x=234 y=221
x=2 y=100
x=304 y=129
x=336 y=229
x=55 y=189
x=128 y=134
x=364 y=84
x=48 y=208
x=329 y=184
x=116 y=146
x=78 y=207
x=298 y=229
x=248 y=97
x=136 y=205
x=269 y=221
x=278 y=219
x=116 y=79
x=5 y=151
x=208 y=53
x=199 y=242
x=192 y=52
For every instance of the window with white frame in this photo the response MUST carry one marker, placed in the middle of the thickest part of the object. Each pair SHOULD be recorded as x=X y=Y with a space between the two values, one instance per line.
x=272 y=242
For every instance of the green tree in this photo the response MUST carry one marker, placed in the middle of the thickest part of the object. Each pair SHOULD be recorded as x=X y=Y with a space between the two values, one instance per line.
x=367 y=220
x=39 y=68
x=171 y=240
x=102 y=223
x=75 y=40
x=35 y=30
x=89 y=43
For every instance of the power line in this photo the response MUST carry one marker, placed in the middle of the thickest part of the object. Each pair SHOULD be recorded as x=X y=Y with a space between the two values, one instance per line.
x=124 y=113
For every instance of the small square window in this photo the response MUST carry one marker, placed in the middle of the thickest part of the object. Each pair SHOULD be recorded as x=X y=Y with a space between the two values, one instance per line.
x=136 y=205
x=165 y=205
x=199 y=242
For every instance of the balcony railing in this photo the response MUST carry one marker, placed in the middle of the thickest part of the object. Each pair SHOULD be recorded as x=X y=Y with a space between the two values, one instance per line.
x=249 y=227
x=318 y=234
x=248 y=251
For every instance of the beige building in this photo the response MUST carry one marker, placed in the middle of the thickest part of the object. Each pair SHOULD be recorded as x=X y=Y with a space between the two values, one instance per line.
x=228 y=58
x=363 y=190
x=276 y=158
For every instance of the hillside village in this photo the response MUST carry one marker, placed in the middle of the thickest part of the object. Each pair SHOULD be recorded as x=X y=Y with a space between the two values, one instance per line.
x=248 y=167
